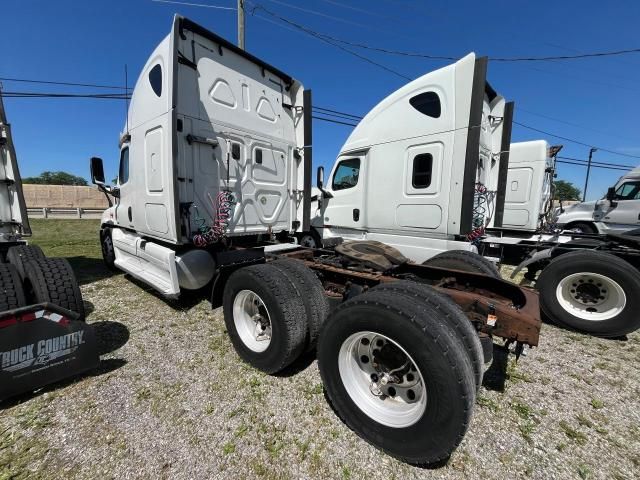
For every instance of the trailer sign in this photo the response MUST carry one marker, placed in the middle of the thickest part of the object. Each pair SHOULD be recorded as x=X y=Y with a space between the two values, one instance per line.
x=42 y=344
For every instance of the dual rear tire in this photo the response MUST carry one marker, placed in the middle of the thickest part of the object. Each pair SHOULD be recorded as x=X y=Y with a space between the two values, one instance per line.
x=400 y=363
x=397 y=374
x=273 y=313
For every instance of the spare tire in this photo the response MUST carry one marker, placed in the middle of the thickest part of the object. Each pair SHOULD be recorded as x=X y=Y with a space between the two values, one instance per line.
x=592 y=292
x=464 y=261
x=52 y=280
x=20 y=254
x=11 y=291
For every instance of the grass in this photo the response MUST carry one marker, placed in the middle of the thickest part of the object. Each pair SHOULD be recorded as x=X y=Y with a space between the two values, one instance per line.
x=77 y=240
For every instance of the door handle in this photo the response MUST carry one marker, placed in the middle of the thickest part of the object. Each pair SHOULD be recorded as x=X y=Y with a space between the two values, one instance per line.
x=130 y=214
x=356 y=214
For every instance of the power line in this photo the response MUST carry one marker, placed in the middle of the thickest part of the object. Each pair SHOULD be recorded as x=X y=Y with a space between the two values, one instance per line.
x=189 y=4
x=342 y=114
x=25 y=80
x=112 y=96
x=325 y=39
x=594 y=166
x=576 y=141
x=315 y=12
x=330 y=120
x=592 y=162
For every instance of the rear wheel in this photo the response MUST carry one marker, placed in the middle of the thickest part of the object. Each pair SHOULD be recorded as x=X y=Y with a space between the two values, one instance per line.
x=396 y=376
x=436 y=303
x=312 y=293
x=11 y=291
x=465 y=261
x=52 y=280
x=592 y=292
x=265 y=317
x=20 y=254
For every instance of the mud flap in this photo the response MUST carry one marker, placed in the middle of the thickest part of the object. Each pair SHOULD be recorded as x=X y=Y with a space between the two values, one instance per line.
x=43 y=344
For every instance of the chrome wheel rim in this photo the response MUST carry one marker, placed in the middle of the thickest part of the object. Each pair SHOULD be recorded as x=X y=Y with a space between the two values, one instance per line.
x=252 y=320
x=382 y=379
x=591 y=296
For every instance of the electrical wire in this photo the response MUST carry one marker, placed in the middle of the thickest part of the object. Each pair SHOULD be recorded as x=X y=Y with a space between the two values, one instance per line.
x=26 y=80
x=189 y=4
x=323 y=38
x=594 y=163
x=594 y=166
x=109 y=96
x=330 y=120
x=578 y=142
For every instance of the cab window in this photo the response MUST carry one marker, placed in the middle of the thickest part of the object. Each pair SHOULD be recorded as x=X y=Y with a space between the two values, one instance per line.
x=123 y=171
x=628 y=191
x=347 y=174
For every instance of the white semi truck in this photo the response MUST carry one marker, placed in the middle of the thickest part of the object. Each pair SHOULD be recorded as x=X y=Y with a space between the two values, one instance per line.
x=214 y=184
x=43 y=336
x=410 y=194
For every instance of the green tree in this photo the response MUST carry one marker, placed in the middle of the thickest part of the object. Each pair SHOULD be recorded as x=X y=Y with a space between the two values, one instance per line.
x=566 y=191
x=56 y=178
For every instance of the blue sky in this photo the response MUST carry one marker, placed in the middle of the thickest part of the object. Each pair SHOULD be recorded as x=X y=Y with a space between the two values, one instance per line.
x=592 y=100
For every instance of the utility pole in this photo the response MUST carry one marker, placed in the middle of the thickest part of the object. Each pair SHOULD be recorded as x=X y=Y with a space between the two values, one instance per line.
x=586 y=181
x=241 y=24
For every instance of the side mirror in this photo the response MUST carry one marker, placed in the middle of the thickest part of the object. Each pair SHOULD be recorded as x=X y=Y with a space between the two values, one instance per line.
x=611 y=194
x=320 y=183
x=97 y=171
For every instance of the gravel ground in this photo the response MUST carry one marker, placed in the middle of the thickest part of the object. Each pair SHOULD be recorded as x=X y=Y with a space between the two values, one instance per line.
x=173 y=400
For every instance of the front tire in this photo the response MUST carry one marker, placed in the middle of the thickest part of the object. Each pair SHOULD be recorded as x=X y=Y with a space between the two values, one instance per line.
x=422 y=409
x=108 y=252
x=265 y=317
x=592 y=292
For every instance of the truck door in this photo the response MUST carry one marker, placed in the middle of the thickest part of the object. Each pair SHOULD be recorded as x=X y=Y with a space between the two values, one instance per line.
x=625 y=215
x=346 y=184
x=124 y=203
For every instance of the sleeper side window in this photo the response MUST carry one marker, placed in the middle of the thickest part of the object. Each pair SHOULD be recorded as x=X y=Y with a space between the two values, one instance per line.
x=427 y=103
x=155 y=79
x=347 y=174
x=123 y=171
x=422 y=170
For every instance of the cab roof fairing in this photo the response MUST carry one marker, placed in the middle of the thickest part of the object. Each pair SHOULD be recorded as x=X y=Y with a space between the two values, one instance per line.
x=392 y=118
x=137 y=113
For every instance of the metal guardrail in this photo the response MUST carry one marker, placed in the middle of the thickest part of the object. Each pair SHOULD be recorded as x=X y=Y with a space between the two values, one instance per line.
x=51 y=212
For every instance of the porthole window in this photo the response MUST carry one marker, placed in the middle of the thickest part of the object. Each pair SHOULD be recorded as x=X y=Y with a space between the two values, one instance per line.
x=155 y=79
x=427 y=103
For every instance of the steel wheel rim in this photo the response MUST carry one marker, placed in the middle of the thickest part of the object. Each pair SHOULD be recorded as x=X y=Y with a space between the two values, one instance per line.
x=308 y=241
x=591 y=296
x=252 y=320
x=398 y=408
